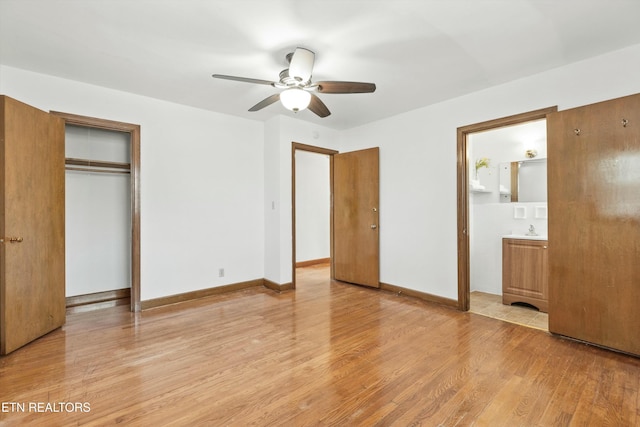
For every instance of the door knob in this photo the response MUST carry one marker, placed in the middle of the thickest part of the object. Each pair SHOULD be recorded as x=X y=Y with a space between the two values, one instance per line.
x=373 y=226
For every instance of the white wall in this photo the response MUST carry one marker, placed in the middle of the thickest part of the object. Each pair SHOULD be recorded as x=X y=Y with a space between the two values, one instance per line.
x=201 y=181
x=272 y=208
x=209 y=181
x=418 y=210
x=313 y=206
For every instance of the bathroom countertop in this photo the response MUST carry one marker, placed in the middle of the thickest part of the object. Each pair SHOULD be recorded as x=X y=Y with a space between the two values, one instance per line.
x=524 y=237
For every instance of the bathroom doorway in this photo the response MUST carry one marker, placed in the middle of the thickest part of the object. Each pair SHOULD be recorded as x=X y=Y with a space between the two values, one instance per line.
x=479 y=191
x=507 y=197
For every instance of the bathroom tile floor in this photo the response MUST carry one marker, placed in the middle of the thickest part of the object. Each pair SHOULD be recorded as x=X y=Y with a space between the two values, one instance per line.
x=491 y=306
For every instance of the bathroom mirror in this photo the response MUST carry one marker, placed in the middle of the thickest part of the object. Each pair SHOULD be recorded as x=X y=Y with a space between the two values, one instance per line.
x=523 y=181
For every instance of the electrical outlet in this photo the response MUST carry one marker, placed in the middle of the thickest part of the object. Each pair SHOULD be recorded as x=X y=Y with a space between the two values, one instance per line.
x=221 y=272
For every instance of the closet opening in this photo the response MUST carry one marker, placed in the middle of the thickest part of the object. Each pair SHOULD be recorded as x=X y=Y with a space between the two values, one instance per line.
x=102 y=232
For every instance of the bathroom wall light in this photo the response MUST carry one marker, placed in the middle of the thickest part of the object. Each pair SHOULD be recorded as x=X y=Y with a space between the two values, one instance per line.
x=531 y=154
x=295 y=99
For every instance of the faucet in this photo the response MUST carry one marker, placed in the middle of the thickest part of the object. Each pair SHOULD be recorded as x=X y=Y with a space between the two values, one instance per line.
x=532 y=231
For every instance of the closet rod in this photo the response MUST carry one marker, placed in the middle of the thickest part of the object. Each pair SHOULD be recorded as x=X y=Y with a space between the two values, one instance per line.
x=97 y=163
x=71 y=168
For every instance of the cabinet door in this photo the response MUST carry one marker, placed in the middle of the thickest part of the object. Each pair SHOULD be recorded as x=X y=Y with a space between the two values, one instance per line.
x=32 y=291
x=594 y=223
x=525 y=272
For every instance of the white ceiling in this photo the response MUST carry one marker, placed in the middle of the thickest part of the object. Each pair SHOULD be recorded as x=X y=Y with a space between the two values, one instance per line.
x=418 y=52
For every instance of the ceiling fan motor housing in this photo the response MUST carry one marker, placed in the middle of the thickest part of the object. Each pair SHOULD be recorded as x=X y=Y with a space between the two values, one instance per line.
x=287 y=81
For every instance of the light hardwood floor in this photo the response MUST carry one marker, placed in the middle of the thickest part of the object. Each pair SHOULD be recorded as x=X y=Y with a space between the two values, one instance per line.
x=325 y=354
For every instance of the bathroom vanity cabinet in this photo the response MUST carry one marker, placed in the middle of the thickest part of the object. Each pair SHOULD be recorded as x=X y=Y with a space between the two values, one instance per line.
x=525 y=272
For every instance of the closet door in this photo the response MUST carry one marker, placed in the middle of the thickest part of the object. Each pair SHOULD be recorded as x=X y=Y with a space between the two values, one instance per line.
x=594 y=223
x=32 y=298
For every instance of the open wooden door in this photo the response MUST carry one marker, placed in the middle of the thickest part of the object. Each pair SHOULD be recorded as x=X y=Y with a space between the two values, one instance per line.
x=32 y=287
x=356 y=249
x=594 y=223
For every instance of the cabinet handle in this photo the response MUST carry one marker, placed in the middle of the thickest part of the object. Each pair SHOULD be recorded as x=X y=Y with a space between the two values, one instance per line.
x=544 y=247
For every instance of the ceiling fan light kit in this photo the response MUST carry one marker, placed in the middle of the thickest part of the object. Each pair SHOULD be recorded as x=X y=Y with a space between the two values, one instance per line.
x=295 y=99
x=298 y=88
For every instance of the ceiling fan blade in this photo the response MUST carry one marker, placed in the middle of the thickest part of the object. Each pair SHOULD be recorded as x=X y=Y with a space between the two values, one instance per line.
x=265 y=102
x=317 y=106
x=345 y=87
x=301 y=64
x=242 y=79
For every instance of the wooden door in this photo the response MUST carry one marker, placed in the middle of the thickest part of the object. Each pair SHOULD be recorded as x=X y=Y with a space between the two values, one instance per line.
x=356 y=250
x=594 y=223
x=32 y=290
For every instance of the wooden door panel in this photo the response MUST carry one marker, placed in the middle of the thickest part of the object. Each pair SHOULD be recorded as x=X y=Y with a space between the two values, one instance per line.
x=356 y=252
x=594 y=223
x=32 y=281
x=525 y=267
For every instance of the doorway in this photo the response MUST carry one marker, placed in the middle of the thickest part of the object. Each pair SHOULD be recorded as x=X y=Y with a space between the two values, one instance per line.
x=311 y=246
x=132 y=168
x=464 y=177
x=354 y=222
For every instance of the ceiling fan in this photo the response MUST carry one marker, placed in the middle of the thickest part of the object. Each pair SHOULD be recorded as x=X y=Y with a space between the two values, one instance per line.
x=298 y=92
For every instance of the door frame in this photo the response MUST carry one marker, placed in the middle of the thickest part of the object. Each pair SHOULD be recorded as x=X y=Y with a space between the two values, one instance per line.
x=462 y=155
x=313 y=149
x=134 y=131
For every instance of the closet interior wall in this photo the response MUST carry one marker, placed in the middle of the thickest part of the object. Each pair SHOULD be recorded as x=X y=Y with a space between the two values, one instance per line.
x=98 y=210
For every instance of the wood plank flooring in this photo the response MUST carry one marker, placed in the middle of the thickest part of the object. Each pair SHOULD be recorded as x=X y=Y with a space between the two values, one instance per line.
x=324 y=354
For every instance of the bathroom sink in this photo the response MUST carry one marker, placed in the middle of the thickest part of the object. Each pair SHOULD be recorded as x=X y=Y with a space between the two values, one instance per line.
x=525 y=236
